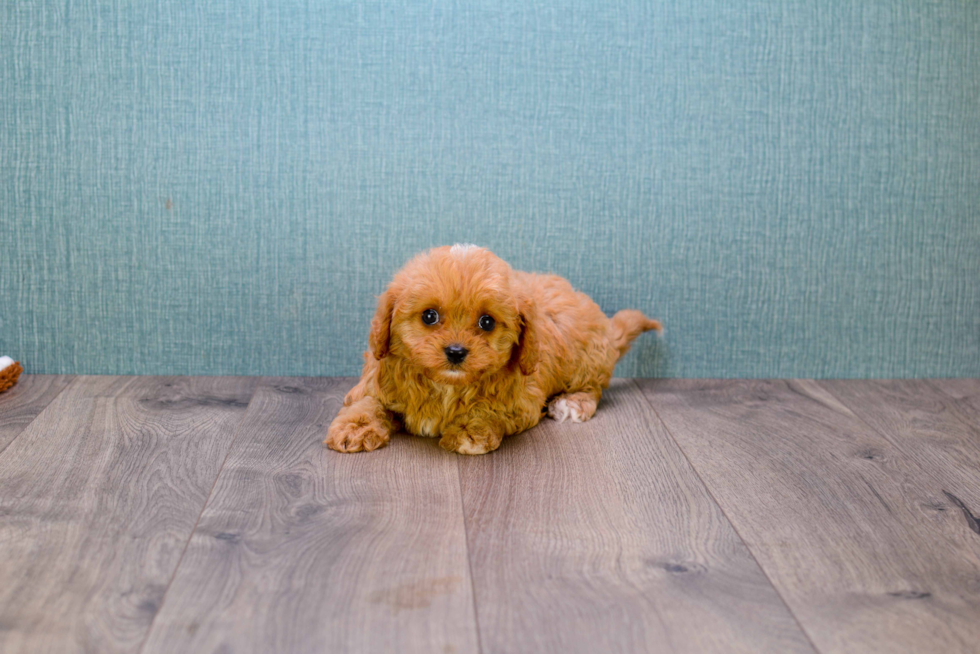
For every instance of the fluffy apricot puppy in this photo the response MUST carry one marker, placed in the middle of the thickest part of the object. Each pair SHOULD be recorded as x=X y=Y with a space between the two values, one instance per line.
x=468 y=350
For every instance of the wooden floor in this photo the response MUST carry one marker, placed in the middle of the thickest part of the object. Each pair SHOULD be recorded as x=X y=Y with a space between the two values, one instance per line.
x=187 y=514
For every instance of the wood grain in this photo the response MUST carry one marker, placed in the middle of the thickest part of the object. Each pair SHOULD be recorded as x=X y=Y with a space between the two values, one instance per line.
x=98 y=498
x=305 y=549
x=599 y=537
x=926 y=425
x=965 y=394
x=844 y=523
x=22 y=403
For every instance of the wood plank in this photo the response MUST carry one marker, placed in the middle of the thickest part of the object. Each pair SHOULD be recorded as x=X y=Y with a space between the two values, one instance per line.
x=98 y=498
x=926 y=425
x=305 y=549
x=842 y=521
x=965 y=394
x=599 y=537
x=22 y=403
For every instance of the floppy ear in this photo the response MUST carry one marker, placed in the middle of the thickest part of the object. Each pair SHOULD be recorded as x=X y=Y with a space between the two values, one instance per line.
x=381 y=325
x=527 y=344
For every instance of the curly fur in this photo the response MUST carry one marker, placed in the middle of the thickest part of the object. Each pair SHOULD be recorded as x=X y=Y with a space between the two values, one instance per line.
x=552 y=349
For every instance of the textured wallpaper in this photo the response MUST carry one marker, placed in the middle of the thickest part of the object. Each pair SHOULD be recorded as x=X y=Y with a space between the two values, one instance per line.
x=224 y=187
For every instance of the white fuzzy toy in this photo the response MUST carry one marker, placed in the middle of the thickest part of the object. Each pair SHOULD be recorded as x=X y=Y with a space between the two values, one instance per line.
x=9 y=372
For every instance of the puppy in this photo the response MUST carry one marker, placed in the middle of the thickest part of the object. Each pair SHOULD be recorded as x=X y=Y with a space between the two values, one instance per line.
x=466 y=349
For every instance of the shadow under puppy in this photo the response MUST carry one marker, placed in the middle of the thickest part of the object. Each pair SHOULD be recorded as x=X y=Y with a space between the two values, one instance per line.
x=465 y=348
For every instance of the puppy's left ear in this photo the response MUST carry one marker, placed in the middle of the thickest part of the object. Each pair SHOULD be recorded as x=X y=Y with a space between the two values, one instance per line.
x=528 y=346
x=380 y=335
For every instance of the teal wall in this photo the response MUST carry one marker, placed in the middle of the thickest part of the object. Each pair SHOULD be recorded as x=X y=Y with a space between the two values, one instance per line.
x=792 y=186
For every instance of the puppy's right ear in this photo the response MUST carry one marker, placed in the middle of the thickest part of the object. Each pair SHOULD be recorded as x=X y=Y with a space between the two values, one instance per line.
x=380 y=335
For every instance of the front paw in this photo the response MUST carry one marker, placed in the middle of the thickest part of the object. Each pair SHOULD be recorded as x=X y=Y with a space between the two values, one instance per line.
x=577 y=407
x=354 y=433
x=470 y=439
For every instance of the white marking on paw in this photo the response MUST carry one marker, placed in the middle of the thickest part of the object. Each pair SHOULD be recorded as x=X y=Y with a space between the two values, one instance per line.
x=562 y=410
x=558 y=410
x=472 y=448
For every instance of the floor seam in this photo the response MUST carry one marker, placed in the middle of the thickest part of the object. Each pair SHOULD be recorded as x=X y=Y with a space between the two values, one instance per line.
x=883 y=433
x=207 y=501
x=930 y=382
x=70 y=383
x=857 y=415
x=469 y=560
x=714 y=499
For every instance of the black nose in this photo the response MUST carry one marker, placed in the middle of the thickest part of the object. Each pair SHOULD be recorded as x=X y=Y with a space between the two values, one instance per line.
x=456 y=353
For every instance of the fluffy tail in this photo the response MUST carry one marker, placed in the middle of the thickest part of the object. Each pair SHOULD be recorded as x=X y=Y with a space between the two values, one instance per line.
x=627 y=325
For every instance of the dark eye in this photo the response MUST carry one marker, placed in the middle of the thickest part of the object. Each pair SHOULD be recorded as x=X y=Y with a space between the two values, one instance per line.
x=430 y=316
x=487 y=323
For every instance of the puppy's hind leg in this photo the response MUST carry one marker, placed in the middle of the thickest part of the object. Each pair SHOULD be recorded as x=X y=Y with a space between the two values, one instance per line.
x=577 y=407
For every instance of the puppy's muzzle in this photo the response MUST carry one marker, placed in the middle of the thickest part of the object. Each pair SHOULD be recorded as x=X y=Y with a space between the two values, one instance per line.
x=455 y=353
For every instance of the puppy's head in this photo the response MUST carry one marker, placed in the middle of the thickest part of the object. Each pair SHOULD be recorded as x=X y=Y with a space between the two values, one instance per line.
x=456 y=313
